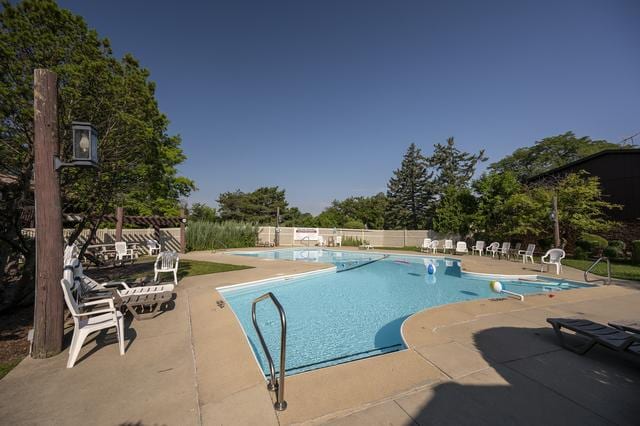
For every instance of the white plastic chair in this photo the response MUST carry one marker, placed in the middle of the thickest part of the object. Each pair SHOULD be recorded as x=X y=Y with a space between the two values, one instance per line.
x=505 y=250
x=153 y=247
x=528 y=253
x=166 y=262
x=320 y=241
x=426 y=244
x=85 y=323
x=461 y=247
x=338 y=240
x=448 y=245
x=434 y=246
x=479 y=247
x=554 y=257
x=493 y=248
x=123 y=253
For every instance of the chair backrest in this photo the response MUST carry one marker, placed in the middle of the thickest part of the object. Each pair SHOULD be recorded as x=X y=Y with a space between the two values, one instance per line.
x=493 y=246
x=70 y=252
x=530 y=249
x=479 y=245
x=434 y=244
x=338 y=239
x=426 y=243
x=168 y=259
x=461 y=246
x=518 y=245
x=320 y=239
x=505 y=247
x=448 y=243
x=555 y=255
x=121 y=247
x=152 y=243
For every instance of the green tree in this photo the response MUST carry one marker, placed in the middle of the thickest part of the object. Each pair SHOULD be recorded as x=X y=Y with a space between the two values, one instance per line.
x=455 y=211
x=138 y=158
x=202 y=212
x=549 y=153
x=494 y=190
x=453 y=167
x=409 y=193
x=257 y=207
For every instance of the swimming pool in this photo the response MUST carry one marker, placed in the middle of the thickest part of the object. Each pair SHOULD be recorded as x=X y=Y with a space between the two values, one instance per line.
x=339 y=317
x=341 y=259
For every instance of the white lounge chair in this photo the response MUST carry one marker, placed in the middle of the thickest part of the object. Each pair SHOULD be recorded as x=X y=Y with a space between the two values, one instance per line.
x=461 y=247
x=123 y=253
x=505 y=250
x=493 y=248
x=166 y=262
x=426 y=244
x=479 y=247
x=448 y=245
x=554 y=257
x=434 y=246
x=528 y=253
x=85 y=323
x=153 y=246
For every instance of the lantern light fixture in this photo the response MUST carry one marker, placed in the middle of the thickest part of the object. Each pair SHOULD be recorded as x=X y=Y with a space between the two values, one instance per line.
x=85 y=146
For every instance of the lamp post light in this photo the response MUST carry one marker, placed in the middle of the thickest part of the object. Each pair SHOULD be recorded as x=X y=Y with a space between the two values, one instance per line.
x=85 y=147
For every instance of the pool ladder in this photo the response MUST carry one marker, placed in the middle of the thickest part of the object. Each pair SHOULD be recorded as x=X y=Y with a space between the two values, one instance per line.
x=275 y=384
x=593 y=265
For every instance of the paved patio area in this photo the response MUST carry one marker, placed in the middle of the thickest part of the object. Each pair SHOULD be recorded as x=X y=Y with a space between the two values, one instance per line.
x=480 y=362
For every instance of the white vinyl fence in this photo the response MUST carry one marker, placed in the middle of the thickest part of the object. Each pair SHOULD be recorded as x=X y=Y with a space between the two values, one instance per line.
x=375 y=237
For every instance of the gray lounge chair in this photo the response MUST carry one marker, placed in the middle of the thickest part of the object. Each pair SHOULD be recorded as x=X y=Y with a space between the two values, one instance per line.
x=609 y=337
x=631 y=326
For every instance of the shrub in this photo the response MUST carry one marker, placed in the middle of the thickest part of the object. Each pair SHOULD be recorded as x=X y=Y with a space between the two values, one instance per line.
x=635 y=252
x=594 y=244
x=613 y=252
x=580 y=253
x=618 y=243
x=352 y=242
x=208 y=235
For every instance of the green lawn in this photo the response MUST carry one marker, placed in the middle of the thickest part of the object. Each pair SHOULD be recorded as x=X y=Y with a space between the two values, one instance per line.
x=619 y=269
x=143 y=268
x=5 y=367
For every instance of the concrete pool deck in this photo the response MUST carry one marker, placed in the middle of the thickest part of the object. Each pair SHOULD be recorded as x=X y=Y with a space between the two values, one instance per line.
x=486 y=361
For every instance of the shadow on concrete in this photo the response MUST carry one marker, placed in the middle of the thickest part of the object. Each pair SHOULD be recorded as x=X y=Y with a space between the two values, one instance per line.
x=535 y=384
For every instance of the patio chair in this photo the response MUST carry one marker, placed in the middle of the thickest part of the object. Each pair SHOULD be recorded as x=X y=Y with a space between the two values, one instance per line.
x=153 y=247
x=320 y=241
x=631 y=326
x=516 y=249
x=528 y=253
x=434 y=246
x=426 y=245
x=493 y=248
x=123 y=253
x=166 y=262
x=448 y=245
x=86 y=322
x=479 y=247
x=338 y=240
x=505 y=251
x=461 y=247
x=595 y=333
x=554 y=257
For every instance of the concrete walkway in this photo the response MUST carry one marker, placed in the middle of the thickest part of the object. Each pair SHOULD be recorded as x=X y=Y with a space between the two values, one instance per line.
x=468 y=363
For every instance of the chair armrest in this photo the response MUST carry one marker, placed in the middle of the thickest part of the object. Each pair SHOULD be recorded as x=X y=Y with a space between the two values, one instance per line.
x=98 y=302
x=522 y=251
x=98 y=312
x=114 y=284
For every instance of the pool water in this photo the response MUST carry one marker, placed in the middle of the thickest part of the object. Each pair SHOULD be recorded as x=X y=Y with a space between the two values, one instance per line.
x=341 y=259
x=339 y=317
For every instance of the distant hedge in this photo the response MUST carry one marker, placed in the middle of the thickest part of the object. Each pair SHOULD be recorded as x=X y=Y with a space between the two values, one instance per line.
x=220 y=235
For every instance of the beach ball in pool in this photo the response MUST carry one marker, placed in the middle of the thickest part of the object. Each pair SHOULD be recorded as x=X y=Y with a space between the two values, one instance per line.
x=431 y=269
x=496 y=286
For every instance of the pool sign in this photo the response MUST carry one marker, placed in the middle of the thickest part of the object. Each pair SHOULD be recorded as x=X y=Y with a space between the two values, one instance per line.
x=310 y=234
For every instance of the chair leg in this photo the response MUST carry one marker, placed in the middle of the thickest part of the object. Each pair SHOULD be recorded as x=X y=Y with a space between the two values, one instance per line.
x=76 y=345
x=175 y=276
x=120 y=331
x=155 y=276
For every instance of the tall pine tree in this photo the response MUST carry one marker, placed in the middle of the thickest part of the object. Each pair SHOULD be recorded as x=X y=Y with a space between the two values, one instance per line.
x=454 y=167
x=409 y=193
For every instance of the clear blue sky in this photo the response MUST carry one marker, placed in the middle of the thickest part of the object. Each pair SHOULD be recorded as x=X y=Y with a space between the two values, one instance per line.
x=322 y=98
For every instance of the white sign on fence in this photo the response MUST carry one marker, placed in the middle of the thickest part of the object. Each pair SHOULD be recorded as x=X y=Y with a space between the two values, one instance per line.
x=310 y=234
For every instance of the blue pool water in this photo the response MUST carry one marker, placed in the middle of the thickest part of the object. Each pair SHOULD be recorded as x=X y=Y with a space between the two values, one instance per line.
x=338 y=317
x=341 y=259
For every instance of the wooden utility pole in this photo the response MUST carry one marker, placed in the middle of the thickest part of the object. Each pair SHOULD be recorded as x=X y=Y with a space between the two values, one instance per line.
x=556 y=222
x=183 y=239
x=48 y=311
x=119 y=221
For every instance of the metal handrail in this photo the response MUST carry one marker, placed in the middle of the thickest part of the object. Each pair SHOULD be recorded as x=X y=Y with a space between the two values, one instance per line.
x=308 y=240
x=593 y=265
x=275 y=383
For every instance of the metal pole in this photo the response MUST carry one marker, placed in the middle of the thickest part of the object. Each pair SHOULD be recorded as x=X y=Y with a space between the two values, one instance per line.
x=277 y=236
x=48 y=321
x=183 y=239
